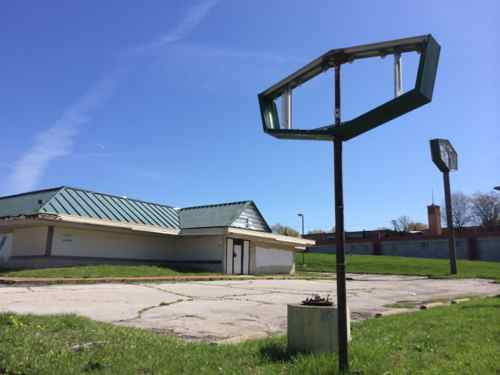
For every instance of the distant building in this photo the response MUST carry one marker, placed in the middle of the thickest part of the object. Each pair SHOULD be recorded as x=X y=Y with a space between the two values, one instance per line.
x=67 y=226
x=474 y=243
x=434 y=219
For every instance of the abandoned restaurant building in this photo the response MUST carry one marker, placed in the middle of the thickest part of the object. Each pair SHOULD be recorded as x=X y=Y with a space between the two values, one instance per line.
x=66 y=226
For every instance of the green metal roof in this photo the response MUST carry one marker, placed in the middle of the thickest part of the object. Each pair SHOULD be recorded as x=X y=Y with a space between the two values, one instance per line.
x=244 y=214
x=72 y=201
x=26 y=203
x=84 y=203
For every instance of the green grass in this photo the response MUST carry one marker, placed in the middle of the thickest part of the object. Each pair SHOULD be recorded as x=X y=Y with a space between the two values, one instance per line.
x=398 y=266
x=101 y=271
x=458 y=339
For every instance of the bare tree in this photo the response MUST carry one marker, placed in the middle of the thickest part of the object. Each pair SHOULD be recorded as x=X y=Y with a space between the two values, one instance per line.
x=401 y=224
x=461 y=206
x=485 y=208
x=285 y=230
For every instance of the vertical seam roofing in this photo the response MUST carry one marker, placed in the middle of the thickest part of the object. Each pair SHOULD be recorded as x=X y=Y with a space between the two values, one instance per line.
x=88 y=203
x=108 y=207
x=114 y=204
x=147 y=212
x=100 y=210
x=136 y=212
x=54 y=202
x=157 y=214
x=85 y=203
x=71 y=208
x=81 y=203
x=167 y=218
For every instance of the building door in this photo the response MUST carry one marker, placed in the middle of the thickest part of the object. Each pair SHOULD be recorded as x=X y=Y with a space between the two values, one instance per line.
x=237 y=256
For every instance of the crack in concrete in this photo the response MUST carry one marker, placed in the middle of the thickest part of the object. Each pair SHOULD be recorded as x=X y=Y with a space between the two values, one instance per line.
x=218 y=298
x=148 y=308
x=166 y=291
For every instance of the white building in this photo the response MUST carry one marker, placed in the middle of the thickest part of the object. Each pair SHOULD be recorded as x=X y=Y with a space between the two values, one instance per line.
x=67 y=226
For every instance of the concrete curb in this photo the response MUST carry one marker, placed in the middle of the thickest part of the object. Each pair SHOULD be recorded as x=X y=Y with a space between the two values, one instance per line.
x=13 y=281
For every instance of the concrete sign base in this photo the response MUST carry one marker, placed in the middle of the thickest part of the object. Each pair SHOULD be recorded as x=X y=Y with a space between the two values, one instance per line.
x=313 y=329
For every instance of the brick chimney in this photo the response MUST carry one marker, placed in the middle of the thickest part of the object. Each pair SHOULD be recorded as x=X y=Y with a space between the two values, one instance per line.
x=434 y=219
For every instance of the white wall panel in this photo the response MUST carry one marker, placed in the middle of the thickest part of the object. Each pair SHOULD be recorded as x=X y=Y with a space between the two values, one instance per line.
x=29 y=241
x=105 y=244
x=208 y=248
x=269 y=260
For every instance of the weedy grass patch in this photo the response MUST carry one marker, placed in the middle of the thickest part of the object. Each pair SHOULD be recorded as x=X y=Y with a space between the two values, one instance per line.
x=457 y=339
x=379 y=264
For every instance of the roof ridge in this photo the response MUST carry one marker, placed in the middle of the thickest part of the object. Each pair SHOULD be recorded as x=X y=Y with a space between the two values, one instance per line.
x=217 y=205
x=115 y=196
x=32 y=192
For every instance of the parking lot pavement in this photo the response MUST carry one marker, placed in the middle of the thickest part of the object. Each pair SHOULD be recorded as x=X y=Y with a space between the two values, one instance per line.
x=228 y=311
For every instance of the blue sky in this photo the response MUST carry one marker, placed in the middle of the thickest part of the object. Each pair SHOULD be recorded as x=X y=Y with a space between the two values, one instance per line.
x=158 y=100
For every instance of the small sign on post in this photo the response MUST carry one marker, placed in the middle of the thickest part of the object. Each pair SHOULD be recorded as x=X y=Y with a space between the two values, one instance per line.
x=445 y=158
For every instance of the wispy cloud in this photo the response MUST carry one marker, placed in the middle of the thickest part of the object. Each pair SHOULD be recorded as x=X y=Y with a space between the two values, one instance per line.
x=57 y=140
x=195 y=15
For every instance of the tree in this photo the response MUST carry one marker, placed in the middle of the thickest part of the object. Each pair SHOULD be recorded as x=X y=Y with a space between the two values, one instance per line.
x=317 y=231
x=405 y=224
x=461 y=206
x=485 y=208
x=401 y=224
x=284 y=230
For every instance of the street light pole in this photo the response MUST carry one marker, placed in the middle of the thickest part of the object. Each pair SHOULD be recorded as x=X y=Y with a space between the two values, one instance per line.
x=301 y=215
x=339 y=236
x=302 y=219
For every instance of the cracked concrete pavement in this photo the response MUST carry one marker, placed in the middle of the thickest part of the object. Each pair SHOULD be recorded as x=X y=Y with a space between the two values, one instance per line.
x=228 y=311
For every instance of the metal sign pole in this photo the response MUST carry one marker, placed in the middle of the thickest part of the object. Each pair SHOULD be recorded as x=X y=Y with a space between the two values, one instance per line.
x=428 y=49
x=449 y=223
x=339 y=236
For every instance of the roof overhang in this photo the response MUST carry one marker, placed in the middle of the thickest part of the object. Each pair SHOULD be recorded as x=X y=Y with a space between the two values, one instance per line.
x=294 y=243
x=270 y=237
x=130 y=226
x=51 y=219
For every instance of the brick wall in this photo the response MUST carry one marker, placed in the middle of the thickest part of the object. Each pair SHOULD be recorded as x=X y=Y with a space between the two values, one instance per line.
x=484 y=246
